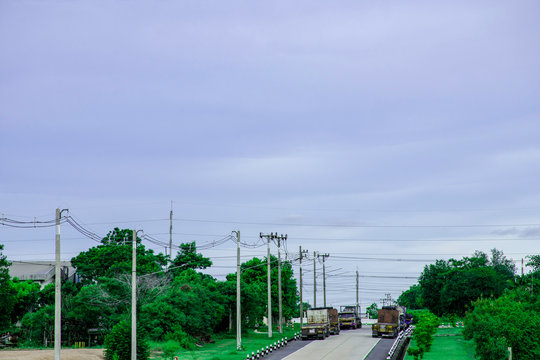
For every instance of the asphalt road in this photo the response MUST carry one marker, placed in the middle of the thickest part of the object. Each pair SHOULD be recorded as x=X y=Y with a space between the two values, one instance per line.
x=380 y=351
x=349 y=344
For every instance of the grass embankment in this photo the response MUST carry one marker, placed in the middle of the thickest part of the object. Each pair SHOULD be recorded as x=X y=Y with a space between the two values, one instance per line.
x=448 y=344
x=224 y=347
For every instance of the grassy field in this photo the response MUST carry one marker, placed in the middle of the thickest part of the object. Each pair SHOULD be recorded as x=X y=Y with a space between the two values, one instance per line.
x=448 y=344
x=224 y=347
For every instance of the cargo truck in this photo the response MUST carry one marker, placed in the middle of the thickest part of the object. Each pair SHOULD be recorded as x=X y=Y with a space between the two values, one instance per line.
x=388 y=322
x=317 y=325
x=349 y=317
x=334 y=320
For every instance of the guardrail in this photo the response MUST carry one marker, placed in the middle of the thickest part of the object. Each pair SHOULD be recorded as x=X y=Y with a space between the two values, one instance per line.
x=399 y=344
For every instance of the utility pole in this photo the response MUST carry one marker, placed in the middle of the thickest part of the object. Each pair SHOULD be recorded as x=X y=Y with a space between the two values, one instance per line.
x=57 y=290
x=170 y=234
x=521 y=267
x=134 y=297
x=314 y=280
x=279 y=238
x=301 y=299
x=324 y=256
x=269 y=237
x=238 y=318
x=388 y=300
x=357 y=308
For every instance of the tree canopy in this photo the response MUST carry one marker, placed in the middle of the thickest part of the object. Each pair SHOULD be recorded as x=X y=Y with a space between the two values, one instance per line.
x=7 y=293
x=449 y=287
x=114 y=257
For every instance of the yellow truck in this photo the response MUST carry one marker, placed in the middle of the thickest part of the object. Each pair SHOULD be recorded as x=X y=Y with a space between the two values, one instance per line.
x=317 y=325
x=388 y=322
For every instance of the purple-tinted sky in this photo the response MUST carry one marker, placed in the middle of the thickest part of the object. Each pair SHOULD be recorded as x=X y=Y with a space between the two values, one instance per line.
x=350 y=114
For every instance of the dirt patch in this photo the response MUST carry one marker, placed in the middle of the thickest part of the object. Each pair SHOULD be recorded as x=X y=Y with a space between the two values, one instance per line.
x=66 y=354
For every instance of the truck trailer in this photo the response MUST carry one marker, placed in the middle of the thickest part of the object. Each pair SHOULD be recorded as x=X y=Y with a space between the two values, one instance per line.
x=388 y=322
x=318 y=324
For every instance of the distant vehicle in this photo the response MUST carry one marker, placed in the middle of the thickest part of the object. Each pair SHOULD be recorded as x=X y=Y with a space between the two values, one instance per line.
x=349 y=317
x=390 y=321
x=318 y=324
x=334 y=320
x=408 y=320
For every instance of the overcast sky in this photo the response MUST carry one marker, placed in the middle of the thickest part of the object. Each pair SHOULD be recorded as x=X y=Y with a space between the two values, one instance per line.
x=393 y=130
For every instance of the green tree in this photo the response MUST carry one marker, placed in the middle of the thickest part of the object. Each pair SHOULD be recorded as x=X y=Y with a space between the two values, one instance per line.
x=7 y=293
x=502 y=264
x=534 y=262
x=411 y=298
x=114 y=257
x=449 y=287
x=38 y=326
x=192 y=303
x=188 y=258
x=512 y=320
x=423 y=335
x=255 y=271
x=26 y=298
x=372 y=311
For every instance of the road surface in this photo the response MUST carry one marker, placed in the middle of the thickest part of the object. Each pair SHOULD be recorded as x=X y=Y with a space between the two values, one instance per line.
x=380 y=351
x=349 y=344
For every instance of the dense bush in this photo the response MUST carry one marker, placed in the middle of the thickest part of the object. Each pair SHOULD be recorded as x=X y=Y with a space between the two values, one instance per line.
x=118 y=343
x=423 y=335
x=512 y=320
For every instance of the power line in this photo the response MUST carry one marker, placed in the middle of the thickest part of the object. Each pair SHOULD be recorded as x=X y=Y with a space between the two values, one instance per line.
x=313 y=225
x=353 y=226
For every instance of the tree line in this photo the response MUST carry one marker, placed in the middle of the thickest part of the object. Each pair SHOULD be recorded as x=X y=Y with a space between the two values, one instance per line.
x=175 y=300
x=500 y=309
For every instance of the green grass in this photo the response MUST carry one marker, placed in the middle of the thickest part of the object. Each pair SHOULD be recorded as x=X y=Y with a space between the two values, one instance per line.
x=224 y=347
x=448 y=347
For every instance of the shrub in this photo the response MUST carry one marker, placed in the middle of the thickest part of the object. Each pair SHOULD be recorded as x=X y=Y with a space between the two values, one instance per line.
x=423 y=334
x=170 y=348
x=118 y=343
x=181 y=337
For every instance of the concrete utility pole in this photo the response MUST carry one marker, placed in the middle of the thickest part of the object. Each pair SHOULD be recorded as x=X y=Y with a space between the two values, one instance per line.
x=170 y=235
x=57 y=290
x=314 y=279
x=357 y=309
x=324 y=256
x=238 y=308
x=301 y=300
x=269 y=237
x=279 y=238
x=134 y=297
